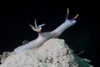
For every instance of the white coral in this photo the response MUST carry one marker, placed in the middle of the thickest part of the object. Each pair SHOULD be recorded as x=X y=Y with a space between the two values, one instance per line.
x=53 y=53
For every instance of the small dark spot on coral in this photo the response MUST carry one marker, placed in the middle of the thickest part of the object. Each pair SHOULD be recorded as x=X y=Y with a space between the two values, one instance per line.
x=67 y=56
x=68 y=62
x=51 y=60
x=33 y=53
x=40 y=60
x=68 y=52
x=69 y=65
x=75 y=64
x=58 y=62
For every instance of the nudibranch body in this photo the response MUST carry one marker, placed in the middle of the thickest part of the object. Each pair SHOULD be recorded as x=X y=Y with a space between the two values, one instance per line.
x=42 y=37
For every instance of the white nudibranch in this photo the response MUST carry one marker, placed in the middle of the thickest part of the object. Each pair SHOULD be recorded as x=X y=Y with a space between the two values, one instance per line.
x=42 y=37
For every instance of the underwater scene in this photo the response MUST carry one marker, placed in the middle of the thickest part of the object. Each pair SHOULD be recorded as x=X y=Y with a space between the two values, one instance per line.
x=75 y=24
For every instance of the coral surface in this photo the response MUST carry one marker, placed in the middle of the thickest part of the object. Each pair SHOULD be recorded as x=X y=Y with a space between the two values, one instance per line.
x=53 y=53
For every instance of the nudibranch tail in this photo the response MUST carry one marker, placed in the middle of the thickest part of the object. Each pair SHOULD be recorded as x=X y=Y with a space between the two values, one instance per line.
x=37 y=28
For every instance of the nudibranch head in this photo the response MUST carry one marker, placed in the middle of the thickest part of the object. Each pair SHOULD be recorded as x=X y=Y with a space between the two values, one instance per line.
x=37 y=28
x=73 y=21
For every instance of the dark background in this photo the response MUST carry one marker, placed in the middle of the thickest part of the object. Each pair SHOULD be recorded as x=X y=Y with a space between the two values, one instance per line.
x=15 y=17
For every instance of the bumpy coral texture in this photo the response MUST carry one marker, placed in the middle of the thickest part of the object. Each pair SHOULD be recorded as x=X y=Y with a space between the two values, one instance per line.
x=53 y=53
